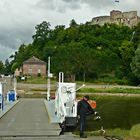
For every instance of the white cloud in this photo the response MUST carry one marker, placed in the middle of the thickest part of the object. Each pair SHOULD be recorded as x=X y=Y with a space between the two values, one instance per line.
x=18 y=18
x=5 y=52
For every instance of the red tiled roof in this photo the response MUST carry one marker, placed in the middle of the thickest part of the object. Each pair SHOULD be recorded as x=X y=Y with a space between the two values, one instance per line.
x=34 y=60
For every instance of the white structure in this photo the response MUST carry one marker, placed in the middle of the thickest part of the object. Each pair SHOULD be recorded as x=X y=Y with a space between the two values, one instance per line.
x=0 y=92
x=15 y=87
x=50 y=75
x=65 y=102
x=1 y=96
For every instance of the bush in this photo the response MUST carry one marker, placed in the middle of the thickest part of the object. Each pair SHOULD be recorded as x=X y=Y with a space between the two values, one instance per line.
x=135 y=131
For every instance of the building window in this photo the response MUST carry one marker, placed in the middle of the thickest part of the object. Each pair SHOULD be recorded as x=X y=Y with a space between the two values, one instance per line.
x=39 y=70
x=30 y=71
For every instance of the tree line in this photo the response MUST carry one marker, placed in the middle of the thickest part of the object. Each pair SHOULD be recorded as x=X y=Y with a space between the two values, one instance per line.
x=87 y=52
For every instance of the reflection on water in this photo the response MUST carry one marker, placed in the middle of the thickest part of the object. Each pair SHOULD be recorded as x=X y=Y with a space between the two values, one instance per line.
x=116 y=112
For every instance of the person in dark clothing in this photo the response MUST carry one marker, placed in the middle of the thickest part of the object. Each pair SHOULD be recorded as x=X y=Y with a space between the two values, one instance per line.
x=83 y=110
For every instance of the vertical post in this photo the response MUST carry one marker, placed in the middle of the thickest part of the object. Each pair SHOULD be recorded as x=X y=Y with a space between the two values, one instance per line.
x=1 y=96
x=61 y=77
x=48 y=82
x=15 y=87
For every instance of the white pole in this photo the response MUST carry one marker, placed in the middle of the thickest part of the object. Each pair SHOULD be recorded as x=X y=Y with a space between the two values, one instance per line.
x=15 y=87
x=48 y=84
x=0 y=88
x=1 y=98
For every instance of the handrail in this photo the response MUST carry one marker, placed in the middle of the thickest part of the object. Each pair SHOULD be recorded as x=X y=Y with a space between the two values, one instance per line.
x=61 y=111
x=61 y=77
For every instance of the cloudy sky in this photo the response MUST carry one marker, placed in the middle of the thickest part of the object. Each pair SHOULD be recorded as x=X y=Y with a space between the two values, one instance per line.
x=18 y=18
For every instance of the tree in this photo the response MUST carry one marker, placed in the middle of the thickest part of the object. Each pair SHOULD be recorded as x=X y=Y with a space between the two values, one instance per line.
x=126 y=52
x=1 y=66
x=42 y=34
x=87 y=51
x=58 y=35
x=135 y=65
x=73 y=23
x=136 y=35
x=21 y=55
x=7 y=68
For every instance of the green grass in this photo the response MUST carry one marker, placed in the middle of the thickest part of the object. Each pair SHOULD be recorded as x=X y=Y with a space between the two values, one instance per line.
x=132 y=134
x=111 y=90
x=135 y=131
x=37 y=80
x=122 y=133
x=111 y=80
x=38 y=89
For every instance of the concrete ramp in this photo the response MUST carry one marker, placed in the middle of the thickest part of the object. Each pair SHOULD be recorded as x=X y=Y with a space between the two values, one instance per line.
x=28 y=118
x=50 y=107
x=29 y=133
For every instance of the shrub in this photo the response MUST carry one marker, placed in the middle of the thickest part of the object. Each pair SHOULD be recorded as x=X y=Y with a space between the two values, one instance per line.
x=135 y=131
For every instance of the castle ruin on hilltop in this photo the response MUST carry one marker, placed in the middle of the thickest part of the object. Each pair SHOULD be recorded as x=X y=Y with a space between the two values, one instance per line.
x=121 y=18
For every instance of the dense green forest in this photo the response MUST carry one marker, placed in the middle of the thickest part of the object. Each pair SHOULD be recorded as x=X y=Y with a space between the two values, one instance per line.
x=87 y=52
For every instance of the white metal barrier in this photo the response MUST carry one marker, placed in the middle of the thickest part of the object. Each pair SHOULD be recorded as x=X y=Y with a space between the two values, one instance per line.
x=65 y=101
x=1 y=96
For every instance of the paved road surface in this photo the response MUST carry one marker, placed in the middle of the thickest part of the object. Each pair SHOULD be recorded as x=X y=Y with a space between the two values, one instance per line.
x=28 y=120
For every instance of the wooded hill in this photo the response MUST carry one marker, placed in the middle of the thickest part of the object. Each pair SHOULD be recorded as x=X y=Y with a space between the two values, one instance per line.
x=88 y=52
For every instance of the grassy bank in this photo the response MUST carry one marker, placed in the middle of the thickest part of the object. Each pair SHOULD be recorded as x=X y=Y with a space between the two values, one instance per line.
x=34 y=80
x=111 y=90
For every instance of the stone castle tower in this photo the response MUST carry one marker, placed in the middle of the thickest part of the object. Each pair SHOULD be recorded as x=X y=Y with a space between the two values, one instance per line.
x=121 y=18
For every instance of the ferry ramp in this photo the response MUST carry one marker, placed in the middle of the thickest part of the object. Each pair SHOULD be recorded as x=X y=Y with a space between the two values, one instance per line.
x=34 y=119
x=28 y=118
